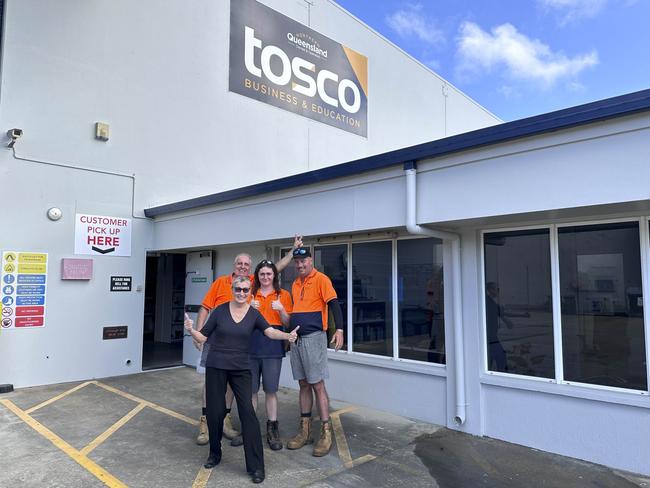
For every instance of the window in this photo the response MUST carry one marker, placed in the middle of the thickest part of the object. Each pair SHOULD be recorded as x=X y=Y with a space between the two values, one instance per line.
x=602 y=311
x=421 y=331
x=333 y=261
x=372 y=305
x=518 y=303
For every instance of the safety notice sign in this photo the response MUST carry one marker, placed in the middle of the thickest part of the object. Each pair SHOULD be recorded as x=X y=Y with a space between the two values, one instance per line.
x=102 y=235
x=24 y=284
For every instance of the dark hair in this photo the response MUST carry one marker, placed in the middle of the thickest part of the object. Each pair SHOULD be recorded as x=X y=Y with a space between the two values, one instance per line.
x=265 y=263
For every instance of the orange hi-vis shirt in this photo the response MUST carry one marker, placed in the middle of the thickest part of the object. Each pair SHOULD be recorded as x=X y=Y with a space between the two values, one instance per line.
x=273 y=316
x=310 y=297
x=220 y=292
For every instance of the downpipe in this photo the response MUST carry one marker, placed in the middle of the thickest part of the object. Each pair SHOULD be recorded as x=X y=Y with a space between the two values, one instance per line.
x=454 y=239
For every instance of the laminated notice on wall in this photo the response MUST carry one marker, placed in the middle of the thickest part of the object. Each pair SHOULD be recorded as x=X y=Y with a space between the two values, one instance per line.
x=24 y=284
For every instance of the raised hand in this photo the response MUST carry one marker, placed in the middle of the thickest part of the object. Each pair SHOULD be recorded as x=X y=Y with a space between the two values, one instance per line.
x=255 y=304
x=297 y=241
x=293 y=335
x=276 y=305
x=188 y=323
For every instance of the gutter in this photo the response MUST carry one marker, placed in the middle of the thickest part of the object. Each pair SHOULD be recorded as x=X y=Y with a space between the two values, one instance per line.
x=410 y=169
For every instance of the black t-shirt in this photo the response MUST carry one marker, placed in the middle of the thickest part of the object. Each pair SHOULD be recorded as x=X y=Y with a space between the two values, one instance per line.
x=229 y=342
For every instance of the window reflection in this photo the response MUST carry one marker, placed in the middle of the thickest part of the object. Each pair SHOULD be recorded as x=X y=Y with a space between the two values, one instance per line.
x=602 y=309
x=518 y=303
x=372 y=298
x=421 y=300
x=333 y=261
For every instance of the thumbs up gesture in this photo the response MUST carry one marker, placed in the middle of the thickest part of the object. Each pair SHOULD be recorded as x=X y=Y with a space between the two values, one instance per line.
x=188 y=323
x=293 y=335
x=277 y=305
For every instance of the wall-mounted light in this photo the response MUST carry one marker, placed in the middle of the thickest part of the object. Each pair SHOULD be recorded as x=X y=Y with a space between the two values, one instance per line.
x=54 y=214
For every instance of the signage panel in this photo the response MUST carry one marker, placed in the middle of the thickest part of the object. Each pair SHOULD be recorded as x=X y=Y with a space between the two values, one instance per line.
x=102 y=235
x=24 y=286
x=279 y=61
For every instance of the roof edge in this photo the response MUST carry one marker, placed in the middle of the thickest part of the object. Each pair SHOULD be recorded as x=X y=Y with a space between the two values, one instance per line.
x=588 y=113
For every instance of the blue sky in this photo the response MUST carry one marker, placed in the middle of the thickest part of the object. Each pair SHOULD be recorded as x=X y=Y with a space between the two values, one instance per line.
x=520 y=58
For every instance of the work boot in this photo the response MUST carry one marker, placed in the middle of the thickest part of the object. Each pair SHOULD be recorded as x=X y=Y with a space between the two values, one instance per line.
x=229 y=431
x=324 y=444
x=203 y=438
x=273 y=435
x=303 y=436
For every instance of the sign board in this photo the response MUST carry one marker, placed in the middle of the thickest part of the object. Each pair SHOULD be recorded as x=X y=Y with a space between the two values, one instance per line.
x=279 y=61
x=121 y=283
x=24 y=284
x=115 y=332
x=76 y=269
x=101 y=235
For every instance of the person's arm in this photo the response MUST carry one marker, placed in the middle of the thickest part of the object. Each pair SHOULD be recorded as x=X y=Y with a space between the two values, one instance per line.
x=196 y=335
x=278 y=335
x=284 y=262
x=337 y=340
x=281 y=308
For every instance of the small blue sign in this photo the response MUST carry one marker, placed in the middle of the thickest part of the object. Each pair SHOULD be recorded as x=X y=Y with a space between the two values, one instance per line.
x=30 y=279
x=30 y=289
x=29 y=300
x=9 y=279
x=8 y=290
x=6 y=301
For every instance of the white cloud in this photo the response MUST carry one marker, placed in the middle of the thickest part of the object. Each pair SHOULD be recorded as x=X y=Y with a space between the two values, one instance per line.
x=573 y=10
x=522 y=58
x=410 y=22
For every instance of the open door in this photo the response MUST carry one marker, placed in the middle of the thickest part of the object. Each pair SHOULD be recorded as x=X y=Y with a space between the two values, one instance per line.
x=198 y=278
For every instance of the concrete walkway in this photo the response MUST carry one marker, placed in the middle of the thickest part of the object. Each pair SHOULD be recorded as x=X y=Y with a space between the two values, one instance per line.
x=139 y=431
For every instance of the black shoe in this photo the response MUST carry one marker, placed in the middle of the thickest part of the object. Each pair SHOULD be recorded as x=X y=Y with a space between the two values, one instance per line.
x=237 y=441
x=212 y=461
x=257 y=476
x=273 y=435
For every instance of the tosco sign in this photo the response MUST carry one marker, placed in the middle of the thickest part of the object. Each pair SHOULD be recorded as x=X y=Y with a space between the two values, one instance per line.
x=279 y=61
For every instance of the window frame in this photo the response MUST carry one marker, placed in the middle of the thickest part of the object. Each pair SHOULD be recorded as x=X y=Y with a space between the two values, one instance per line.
x=496 y=377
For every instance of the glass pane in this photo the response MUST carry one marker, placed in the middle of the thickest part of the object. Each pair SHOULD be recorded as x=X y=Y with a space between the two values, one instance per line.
x=421 y=300
x=602 y=310
x=372 y=316
x=333 y=261
x=518 y=303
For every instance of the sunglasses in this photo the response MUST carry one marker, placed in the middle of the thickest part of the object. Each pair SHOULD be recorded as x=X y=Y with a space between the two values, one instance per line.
x=266 y=262
x=238 y=289
x=300 y=251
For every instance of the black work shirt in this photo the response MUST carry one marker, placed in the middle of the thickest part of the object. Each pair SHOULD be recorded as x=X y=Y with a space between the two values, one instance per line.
x=229 y=341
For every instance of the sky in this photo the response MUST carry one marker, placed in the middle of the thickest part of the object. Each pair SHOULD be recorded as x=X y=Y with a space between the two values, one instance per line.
x=519 y=58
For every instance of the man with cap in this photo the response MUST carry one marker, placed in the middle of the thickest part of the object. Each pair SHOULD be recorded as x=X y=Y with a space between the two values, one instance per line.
x=313 y=294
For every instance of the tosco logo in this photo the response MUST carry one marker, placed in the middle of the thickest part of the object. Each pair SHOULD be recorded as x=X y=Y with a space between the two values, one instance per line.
x=300 y=73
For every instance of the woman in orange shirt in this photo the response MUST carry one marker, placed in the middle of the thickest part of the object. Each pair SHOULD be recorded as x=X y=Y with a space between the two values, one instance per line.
x=275 y=305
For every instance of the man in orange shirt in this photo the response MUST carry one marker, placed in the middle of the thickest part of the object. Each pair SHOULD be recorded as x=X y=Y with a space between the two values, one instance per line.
x=313 y=294
x=221 y=292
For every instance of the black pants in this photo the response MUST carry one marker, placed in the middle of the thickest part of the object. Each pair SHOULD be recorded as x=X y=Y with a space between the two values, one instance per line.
x=215 y=390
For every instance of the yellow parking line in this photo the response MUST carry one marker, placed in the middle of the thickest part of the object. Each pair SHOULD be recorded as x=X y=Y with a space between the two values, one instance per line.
x=202 y=478
x=342 y=442
x=149 y=404
x=344 y=410
x=100 y=473
x=58 y=397
x=111 y=430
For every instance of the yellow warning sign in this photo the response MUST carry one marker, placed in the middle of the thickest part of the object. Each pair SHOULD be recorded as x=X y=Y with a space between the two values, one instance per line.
x=10 y=257
x=9 y=268
x=31 y=268
x=31 y=257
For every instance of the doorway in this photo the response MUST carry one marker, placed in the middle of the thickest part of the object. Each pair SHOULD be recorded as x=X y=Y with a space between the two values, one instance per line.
x=162 y=339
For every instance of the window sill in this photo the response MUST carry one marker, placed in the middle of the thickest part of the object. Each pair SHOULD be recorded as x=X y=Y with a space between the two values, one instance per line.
x=431 y=369
x=585 y=392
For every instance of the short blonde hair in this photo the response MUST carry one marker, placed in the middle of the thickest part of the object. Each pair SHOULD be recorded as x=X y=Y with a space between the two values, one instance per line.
x=241 y=279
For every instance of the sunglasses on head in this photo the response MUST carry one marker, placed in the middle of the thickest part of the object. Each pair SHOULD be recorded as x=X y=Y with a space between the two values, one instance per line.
x=266 y=262
x=239 y=289
x=300 y=252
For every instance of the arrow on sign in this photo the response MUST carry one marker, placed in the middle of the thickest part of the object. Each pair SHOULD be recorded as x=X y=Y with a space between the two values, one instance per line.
x=103 y=251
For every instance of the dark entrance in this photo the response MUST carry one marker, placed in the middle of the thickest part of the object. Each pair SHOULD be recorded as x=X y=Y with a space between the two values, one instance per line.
x=162 y=341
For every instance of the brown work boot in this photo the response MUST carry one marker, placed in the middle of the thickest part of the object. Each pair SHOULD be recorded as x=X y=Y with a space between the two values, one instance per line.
x=273 y=435
x=324 y=443
x=303 y=436
x=203 y=438
x=229 y=431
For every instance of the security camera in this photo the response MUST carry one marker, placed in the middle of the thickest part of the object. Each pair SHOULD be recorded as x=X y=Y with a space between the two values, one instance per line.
x=14 y=135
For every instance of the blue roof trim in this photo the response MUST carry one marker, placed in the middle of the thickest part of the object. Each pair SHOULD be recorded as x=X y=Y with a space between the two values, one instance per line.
x=553 y=121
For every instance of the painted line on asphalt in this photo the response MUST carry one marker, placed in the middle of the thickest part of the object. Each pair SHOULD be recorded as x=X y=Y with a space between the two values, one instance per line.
x=111 y=430
x=202 y=478
x=342 y=442
x=58 y=397
x=149 y=404
x=100 y=473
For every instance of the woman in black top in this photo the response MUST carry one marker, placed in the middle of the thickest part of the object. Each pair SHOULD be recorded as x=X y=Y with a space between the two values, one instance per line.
x=228 y=332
